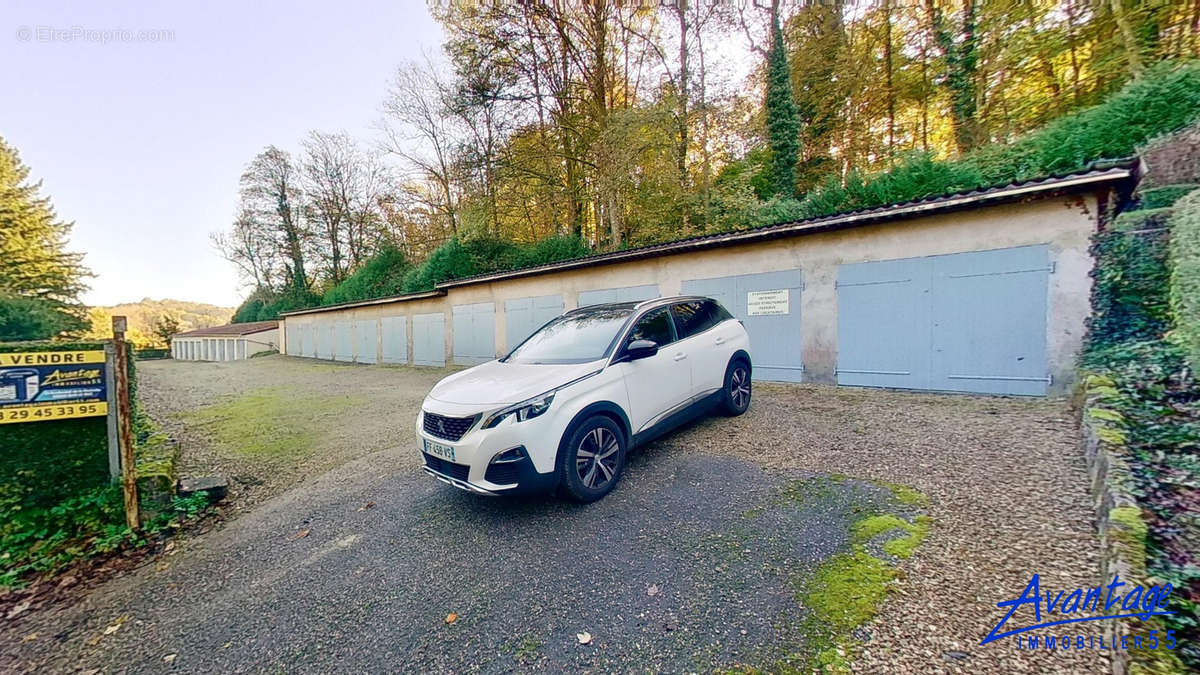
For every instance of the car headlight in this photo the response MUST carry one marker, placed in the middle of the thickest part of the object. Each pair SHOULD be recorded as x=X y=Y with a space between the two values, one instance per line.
x=527 y=409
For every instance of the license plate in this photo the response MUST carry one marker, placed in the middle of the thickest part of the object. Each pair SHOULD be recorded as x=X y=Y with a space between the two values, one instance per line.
x=438 y=450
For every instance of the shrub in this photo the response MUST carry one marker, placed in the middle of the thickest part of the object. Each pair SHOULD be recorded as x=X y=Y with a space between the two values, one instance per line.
x=381 y=276
x=1129 y=298
x=1184 y=263
x=266 y=305
x=460 y=259
x=1166 y=99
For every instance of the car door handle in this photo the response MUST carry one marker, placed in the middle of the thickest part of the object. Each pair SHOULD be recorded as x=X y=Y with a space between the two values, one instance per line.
x=720 y=340
x=680 y=356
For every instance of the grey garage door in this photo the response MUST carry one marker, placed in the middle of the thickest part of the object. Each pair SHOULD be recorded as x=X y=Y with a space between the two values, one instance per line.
x=393 y=338
x=623 y=294
x=344 y=341
x=971 y=322
x=525 y=315
x=367 y=333
x=768 y=304
x=325 y=339
x=474 y=333
x=429 y=339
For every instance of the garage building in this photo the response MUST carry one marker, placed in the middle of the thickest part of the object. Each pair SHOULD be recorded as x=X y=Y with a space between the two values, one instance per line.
x=984 y=292
x=231 y=342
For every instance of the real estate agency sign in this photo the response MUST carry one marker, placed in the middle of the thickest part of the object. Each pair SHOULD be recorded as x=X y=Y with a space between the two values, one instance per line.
x=41 y=386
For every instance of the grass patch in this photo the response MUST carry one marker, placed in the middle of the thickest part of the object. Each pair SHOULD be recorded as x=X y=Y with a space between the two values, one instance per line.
x=273 y=423
x=904 y=494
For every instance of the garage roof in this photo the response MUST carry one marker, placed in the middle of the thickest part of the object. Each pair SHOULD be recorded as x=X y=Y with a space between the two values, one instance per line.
x=1119 y=174
x=231 y=329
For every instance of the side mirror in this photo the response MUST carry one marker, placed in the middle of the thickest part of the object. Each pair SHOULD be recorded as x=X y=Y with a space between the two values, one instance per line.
x=640 y=349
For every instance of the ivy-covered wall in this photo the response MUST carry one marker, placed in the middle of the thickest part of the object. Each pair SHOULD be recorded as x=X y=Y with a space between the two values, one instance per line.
x=1184 y=285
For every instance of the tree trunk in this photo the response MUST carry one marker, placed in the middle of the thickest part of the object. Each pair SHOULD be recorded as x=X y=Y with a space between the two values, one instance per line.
x=1133 y=49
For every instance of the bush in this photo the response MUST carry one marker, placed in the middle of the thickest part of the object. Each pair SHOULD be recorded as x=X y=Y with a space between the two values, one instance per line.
x=266 y=305
x=460 y=259
x=379 y=277
x=1166 y=99
x=1184 y=294
x=1129 y=298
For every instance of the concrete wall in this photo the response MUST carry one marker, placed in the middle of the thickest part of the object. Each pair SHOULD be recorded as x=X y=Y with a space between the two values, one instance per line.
x=1065 y=224
x=235 y=348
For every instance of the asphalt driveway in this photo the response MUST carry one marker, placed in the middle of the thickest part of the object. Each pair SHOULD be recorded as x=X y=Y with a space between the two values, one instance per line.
x=688 y=565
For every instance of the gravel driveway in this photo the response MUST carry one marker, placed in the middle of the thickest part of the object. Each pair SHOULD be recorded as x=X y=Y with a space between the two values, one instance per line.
x=370 y=589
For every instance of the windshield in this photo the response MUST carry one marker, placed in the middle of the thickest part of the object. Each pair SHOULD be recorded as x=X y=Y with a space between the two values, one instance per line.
x=574 y=338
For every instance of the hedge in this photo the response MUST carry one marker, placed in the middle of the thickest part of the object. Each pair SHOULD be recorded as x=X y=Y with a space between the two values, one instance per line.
x=1184 y=263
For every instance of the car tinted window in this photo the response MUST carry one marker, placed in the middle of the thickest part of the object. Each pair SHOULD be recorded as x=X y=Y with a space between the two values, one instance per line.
x=654 y=326
x=573 y=338
x=696 y=317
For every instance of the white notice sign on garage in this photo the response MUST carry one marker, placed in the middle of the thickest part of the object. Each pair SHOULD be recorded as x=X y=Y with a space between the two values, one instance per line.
x=760 y=303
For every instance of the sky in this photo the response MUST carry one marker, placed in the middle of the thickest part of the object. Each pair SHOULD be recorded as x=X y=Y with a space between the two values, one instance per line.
x=139 y=116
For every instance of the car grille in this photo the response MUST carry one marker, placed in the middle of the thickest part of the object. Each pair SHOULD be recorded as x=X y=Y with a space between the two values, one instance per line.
x=445 y=468
x=447 y=428
x=502 y=474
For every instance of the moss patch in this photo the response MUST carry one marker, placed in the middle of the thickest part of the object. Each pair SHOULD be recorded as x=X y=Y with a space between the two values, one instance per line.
x=271 y=424
x=848 y=589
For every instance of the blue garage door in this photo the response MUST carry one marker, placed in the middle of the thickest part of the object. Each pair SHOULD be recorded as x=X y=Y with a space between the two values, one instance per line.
x=344 y=341
x=768 y=304
x=474 y=333
x=523 y=316
x=324 y=338
x=623 y=294
x=970 y=322
x=367 y=334
x=393 y=339
x=429 y=339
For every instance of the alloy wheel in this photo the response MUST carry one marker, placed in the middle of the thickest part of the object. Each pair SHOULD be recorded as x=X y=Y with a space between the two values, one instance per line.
x=596 y=458
x=739 y=387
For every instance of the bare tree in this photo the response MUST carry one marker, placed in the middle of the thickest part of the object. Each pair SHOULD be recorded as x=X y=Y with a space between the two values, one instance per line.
x=271 y=196
x=419 y=128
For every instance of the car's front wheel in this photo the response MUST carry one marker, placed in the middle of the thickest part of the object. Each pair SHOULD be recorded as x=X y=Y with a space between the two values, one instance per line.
x=594 y=459
x=737 y=388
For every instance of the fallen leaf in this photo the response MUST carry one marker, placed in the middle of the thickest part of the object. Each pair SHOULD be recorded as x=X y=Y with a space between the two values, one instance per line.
x=18 y=609
x=163 y=566
x=227 y=645
x=368 y=505
x=299 y=535
x=169 y=658
x=116 y=625
x=31 y=637
x=585 y=638
x=653 y=590
x=451 y=617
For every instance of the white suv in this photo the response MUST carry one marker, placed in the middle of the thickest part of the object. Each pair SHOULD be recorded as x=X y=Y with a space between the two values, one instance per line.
x=563 y=408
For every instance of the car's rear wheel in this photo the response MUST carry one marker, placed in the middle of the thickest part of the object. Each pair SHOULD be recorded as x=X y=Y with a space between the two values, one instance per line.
x=737 y=388
x=594 y=459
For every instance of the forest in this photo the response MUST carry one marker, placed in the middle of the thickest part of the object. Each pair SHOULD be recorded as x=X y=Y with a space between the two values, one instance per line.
x=546 y=131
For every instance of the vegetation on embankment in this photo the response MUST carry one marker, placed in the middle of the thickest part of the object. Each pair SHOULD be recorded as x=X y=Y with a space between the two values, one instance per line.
x=1142 y=352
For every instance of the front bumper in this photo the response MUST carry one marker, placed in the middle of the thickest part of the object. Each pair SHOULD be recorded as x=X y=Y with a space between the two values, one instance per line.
x=472 y=468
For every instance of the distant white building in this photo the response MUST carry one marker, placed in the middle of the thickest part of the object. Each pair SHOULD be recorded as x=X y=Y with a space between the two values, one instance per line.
x=231 y=342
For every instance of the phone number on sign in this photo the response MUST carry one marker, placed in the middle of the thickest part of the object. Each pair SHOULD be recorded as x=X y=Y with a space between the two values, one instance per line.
x=52 y=412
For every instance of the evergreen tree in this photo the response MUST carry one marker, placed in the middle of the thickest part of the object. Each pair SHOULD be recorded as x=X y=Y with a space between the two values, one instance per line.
x=40 y=281
x=783 y=120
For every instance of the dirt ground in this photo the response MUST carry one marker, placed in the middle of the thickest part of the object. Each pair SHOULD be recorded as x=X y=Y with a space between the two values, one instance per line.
x=1006 y=481
x=321 y=414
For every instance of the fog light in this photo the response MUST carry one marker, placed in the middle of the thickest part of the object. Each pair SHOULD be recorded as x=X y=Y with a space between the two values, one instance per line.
x=509 y=456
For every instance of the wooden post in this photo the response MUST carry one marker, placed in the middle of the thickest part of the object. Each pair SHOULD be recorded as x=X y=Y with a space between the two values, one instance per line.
x=133 y=516
x=114 y=448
